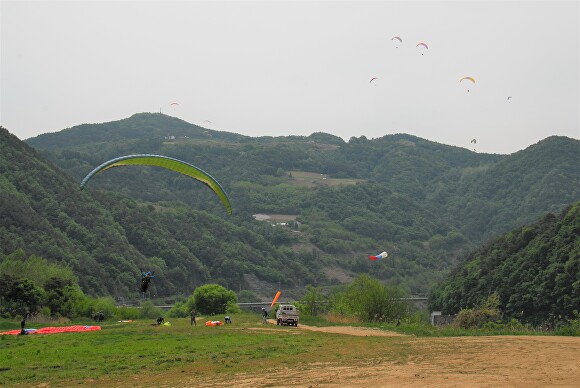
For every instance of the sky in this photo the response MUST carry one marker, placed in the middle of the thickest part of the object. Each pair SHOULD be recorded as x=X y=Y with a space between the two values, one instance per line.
x=281 y=68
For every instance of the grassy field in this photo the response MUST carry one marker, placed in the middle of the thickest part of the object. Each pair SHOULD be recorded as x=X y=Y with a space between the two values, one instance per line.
x=141 y=353
x=139 y=349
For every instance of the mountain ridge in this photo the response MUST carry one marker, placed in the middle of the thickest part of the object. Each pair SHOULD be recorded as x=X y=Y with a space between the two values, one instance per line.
x=427 y=203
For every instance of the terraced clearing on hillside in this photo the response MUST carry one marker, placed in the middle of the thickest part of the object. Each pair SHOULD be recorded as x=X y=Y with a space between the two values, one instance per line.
x=311 y=179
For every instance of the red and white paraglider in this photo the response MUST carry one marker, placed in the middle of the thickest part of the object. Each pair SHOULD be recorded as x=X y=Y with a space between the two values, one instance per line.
x=380 y=256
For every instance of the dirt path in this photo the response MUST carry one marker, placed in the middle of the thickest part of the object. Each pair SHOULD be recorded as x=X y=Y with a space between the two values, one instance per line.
x=515 y=361
x=349 y=330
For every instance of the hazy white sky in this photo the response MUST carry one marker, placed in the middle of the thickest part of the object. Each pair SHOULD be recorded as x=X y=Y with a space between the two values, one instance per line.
x=297 y=67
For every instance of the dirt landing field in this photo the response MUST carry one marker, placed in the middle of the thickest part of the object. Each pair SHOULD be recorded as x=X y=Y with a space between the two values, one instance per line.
x=516 y=361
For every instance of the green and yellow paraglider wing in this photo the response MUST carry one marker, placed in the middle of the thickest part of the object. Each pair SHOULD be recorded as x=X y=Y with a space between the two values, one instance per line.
x=168 y=163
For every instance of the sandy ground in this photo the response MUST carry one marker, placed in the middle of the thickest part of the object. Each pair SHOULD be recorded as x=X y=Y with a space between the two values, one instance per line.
x=513 y=361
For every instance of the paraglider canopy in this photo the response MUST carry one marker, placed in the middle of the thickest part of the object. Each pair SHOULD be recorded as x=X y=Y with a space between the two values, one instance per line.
x=145 y=280
x=168 y=163
x=467 y=78
x=397 y=40
x=471 y=79
x=422 y=44
x=380 y=256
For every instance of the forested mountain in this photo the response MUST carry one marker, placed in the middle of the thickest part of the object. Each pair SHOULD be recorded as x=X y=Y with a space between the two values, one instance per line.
x=427 y=204
x=482 y=195
x=534 y=269
x=107 y=239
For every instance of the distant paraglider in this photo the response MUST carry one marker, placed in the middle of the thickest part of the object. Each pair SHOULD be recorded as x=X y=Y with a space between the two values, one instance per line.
x=168 y=163
x=380 y=256
x=470 y=79
x=509 y=98
x=397 y=40
x=424 y=45
x=373 y=80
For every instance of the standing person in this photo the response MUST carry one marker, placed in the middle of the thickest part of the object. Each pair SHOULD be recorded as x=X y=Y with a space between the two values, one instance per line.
x=192 y=315
x=264 y=316
x=22 y=326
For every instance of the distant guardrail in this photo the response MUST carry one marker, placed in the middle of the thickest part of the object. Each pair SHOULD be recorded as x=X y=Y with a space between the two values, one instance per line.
x=259 y=305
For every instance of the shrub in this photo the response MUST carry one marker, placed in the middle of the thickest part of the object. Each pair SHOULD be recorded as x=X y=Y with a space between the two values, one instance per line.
x=232 y=308
x=247 y=296
x=213 y=299
x=482 y=316
x=179 y=310
x=148 y=310
x=313 y=302
x=573 y=327
x=127 y=313
x=370 y=300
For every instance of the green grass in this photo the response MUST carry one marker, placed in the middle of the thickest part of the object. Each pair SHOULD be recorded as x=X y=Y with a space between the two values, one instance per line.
x=123 y=351
x=425 y=329
x=139 y=352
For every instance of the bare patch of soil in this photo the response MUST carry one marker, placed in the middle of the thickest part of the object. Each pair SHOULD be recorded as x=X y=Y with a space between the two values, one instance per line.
x=515 y=361
x=349 y=330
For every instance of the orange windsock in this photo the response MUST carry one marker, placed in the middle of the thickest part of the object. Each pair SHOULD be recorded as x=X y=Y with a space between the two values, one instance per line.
x=275 y=299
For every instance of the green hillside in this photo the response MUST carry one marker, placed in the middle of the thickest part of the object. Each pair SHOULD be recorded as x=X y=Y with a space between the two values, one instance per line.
x=534 y=269
x=480 y=195
x=107 y=238
x=427 y=204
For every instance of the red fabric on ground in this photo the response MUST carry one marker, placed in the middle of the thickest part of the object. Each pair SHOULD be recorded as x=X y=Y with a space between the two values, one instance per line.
x=55 y=330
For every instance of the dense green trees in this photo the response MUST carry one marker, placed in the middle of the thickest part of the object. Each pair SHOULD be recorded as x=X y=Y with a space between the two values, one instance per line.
x=213 y=299
x=426 y=203
x=31 y=285
x=535 y=271
x=370 y=301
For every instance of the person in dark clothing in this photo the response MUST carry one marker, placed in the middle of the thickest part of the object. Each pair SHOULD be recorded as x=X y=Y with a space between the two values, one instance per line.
x=145 y=280
x=22 y=326
x=228 y=319
x=160 y=320
x=192 y=315
x=264 y=316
